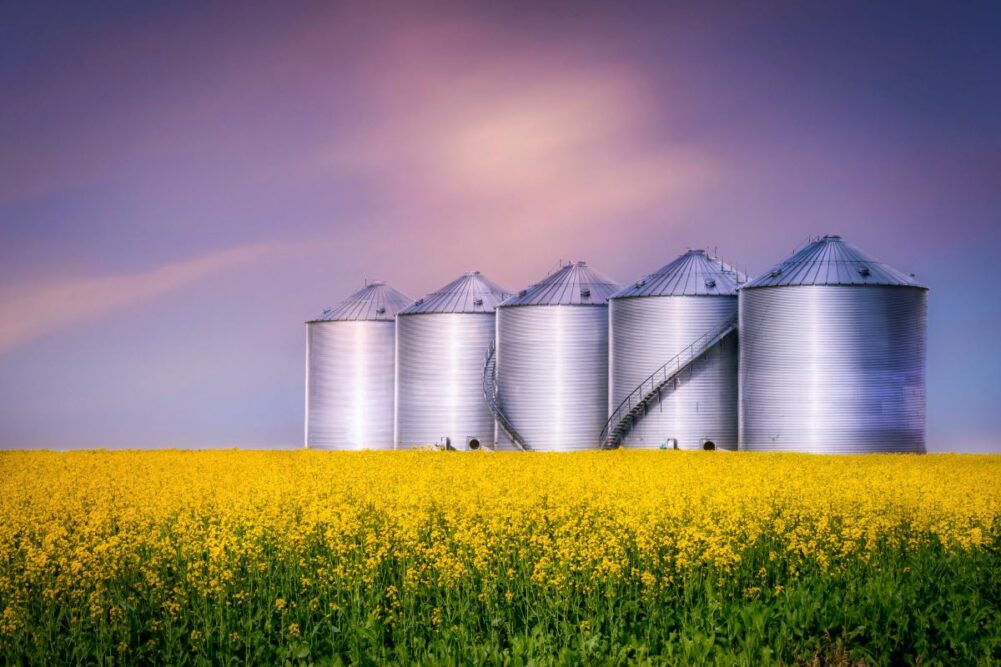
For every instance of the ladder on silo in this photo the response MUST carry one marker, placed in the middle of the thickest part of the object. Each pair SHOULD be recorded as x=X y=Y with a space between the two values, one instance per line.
x=634 y=405
x=493 y=400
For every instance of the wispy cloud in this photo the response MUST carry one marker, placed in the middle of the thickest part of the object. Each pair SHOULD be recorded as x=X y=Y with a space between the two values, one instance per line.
x=30 y=311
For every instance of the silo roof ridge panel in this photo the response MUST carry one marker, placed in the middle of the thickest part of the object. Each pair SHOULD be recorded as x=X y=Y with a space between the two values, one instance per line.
x=469 y=293
x=566 y=287
x=831 y=261
x=375 y=302
x=692 y=274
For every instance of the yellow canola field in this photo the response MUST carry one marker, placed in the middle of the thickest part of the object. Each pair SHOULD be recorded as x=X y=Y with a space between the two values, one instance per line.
x=70 y=523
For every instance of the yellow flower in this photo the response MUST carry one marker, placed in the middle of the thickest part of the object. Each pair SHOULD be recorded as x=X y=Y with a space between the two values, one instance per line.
x=183 y=529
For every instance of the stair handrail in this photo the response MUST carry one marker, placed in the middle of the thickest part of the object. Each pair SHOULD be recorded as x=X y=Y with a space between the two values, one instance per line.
x=491 y=396
x=694 y=350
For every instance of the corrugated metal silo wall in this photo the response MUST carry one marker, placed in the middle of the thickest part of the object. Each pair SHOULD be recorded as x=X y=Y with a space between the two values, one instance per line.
x=440 y=378
x=701 y=404
x=552 y=374
x=833 y=369
x=350 y=385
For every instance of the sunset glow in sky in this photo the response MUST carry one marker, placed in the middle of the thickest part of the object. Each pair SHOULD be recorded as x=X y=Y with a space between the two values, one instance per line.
x=182 y=184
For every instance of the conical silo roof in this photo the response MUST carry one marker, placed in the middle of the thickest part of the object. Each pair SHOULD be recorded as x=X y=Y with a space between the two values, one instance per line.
x=694 y=273
x=374 y=302
x=469 y=293
x=831 y=261
x=575 y=284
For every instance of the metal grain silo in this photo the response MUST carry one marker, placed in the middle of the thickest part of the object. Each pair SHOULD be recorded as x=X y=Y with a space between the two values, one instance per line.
x=552 y=361
x=441 y=341
x=832 y=355
x=673 y=358
x=350 y=371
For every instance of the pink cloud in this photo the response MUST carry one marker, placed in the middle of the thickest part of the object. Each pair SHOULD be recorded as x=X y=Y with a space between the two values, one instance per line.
x=507 y=142
x=35 y=310
x=466 y=136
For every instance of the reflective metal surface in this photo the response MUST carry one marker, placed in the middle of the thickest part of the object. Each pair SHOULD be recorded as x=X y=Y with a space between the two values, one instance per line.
x=375 y=301
x=469 y=293
x=440 y=379
x=694 y=273
x=573 y=284
x=350 y=385
x=441 y=342
x=833 y=369
x=552 y=374
x=552 y=360
x=493 y=404
x=830 y=261
x=698 y=406
x=350 y=371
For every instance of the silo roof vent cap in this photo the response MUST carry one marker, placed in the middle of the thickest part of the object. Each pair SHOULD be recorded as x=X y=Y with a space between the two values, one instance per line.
x=640 y=283
x=775 y=272
x=585 y=292
x=477 y=302
x=864 y=271
x=522 y=292
x=381 y=310
x=710 y=282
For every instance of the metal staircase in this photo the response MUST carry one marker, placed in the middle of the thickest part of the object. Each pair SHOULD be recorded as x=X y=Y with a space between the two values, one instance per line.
x=493 y=402
x=635 y=404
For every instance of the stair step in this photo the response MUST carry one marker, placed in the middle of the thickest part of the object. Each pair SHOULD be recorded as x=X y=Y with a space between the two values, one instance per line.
x=612 y=435
x=490 y=395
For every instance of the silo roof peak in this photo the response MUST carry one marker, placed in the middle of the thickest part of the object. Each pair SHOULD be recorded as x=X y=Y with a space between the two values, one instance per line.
x=469 y=293
x=694 y=273
x=573 y=284
x=831 y=261
x=376 y=301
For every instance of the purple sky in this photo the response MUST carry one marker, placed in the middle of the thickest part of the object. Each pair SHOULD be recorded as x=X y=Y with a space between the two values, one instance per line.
x=182 y=185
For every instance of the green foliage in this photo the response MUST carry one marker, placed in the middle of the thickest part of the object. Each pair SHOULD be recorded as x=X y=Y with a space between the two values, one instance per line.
x=927 y=605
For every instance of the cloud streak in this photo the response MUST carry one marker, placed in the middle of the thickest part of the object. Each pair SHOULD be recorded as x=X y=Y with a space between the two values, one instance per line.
x=36 y=310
